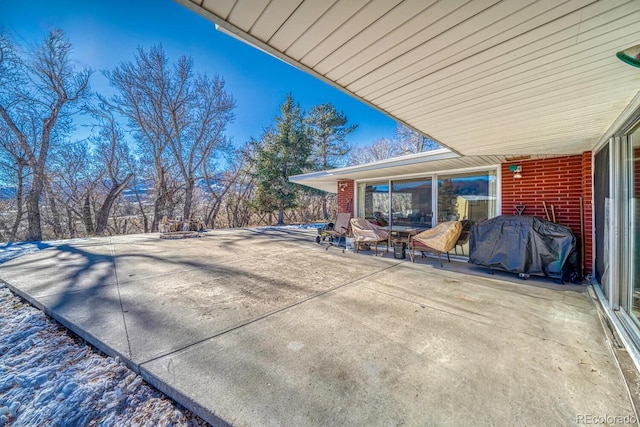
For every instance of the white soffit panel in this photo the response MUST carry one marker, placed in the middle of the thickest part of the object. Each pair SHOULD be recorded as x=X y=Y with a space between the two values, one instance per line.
x=482 y=77
x=413 y=165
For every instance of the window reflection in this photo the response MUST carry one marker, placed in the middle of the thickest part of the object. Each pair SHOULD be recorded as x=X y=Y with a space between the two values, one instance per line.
x=467 y=196
x=411 y=203
x=634 y=214
x=373 y=201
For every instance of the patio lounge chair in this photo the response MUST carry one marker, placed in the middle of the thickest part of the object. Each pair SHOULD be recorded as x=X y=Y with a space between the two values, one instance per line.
x=365 y=232
x=441 y=238
x=340 y=229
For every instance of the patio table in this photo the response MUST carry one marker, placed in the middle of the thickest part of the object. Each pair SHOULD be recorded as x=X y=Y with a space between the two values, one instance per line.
x=400 y=233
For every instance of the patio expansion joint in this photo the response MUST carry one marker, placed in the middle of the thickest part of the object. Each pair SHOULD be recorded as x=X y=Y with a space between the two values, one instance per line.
x=470 y=319
x=122 y=311
x=264 y=316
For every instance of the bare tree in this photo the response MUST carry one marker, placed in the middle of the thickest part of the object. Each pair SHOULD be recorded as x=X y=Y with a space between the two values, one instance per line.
x=69 y=180
x=220 y=185
x=237 y=202
x=235 y=191
x=86 y=177
x=13 y=170
x=112 y=156
x=381 y=149
x=36 y=95
x=178 y=120
x=411 y=141
x=199 y=117
x=405 y=141
x=142 y=86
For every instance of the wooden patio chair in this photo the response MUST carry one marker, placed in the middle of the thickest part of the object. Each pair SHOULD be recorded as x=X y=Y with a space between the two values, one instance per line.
x=441 y=238
x=366 y=232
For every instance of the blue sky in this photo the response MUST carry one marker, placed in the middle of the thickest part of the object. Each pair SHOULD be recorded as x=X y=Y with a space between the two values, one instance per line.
x=105 y=33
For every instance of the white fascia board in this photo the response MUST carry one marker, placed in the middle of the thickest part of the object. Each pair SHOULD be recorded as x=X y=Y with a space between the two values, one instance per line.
x=426 y=156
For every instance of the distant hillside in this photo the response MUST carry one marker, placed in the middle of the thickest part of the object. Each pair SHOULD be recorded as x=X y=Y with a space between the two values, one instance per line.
x=145 y=190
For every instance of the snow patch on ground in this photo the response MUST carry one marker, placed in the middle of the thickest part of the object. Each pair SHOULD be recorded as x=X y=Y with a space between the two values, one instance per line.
x=11 y=250
x=48 y=377
x=295 y=226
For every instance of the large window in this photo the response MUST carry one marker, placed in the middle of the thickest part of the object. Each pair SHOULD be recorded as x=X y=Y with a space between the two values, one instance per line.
x=467 y=196
x=373 y=201
x=470 y=197
x=411 y=203
x=632 y=240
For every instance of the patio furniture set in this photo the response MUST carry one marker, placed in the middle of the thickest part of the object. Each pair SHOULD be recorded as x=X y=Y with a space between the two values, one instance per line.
x=441 y=239
x=518 y=244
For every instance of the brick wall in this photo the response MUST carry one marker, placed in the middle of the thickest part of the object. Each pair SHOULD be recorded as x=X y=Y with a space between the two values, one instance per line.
x=559 y=182
x=587 y=196
x=346 y=191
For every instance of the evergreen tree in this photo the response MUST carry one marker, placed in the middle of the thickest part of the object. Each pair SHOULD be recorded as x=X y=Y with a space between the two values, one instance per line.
x=328 y=129
x=283 y=151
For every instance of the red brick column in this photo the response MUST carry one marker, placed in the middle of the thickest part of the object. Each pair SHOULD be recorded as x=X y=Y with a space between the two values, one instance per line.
x=587 y=197
x=559 y=182
x=346 y=193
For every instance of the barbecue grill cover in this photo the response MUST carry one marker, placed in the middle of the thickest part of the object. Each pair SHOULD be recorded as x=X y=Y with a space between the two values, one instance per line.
x=524 y=244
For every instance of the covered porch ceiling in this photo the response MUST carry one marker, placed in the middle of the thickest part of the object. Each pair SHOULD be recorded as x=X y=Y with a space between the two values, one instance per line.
x=482 y=77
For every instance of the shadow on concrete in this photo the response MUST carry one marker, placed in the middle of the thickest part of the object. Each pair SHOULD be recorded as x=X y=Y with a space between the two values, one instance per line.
x=264 y=326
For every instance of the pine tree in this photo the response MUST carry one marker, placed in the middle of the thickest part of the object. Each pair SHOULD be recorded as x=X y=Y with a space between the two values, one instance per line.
x=329 y=131
x=283 y=151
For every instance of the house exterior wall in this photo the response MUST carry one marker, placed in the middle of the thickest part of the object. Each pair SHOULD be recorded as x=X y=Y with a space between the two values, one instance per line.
x=346 y=193
x=559 y=182
x=587 y=196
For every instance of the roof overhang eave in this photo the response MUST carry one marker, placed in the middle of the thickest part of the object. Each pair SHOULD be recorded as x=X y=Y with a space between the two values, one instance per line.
x=326 y=180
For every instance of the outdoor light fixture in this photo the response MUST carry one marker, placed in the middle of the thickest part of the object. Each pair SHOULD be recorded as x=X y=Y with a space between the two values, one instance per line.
x=516 y=170
x=631 y=55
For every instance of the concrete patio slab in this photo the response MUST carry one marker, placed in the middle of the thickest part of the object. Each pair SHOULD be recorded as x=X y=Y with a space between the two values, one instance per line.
x=265 y=327
x=493 y=302
x=352 y=363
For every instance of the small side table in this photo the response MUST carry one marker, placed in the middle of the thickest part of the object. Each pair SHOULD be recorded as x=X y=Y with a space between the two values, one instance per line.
x=399 y=239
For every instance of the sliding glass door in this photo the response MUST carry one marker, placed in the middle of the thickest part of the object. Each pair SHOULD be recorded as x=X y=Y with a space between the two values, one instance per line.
x=602 y=215
x=468 y=197
x=373 y=201
x=411 y=203
x=631 y=239
x=417 y=203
